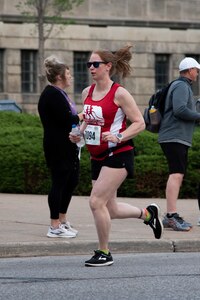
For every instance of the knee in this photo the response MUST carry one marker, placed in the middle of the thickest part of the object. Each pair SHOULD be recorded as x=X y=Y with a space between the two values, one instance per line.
x=177 y=177
x=97 y=201
x=94 y=203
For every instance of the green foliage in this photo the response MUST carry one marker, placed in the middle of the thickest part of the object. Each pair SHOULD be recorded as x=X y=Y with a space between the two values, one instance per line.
x=22 y=164
x=46 y=7
x=150 y=167
x=23 y=168
x=63 y=5
x=45 y=13
x=85 y=184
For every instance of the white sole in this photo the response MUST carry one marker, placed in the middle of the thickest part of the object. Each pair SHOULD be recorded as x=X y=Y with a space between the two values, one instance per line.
x=100 y=265
x=59 y=236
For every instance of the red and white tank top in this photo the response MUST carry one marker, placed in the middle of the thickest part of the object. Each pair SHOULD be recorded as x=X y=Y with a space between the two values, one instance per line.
x=100 y=116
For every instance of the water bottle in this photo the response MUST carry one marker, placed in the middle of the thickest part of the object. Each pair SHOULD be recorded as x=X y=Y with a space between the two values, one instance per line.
x=76 y=131
x=154 y=115
x=152 y=109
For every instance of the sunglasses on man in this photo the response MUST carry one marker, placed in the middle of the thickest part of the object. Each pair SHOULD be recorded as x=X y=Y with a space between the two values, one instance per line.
x=95 y=64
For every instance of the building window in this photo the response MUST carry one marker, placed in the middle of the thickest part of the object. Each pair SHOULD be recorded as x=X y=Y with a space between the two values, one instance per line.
x=161 y=70
x=195 y=84
x=29 y=71
x=1 y=70
x=81 y=75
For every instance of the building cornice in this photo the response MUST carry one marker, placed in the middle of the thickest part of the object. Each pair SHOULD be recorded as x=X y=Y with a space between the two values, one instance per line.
x=175 y=25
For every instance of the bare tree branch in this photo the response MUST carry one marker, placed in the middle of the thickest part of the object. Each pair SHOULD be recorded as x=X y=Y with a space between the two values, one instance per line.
x=43 y=10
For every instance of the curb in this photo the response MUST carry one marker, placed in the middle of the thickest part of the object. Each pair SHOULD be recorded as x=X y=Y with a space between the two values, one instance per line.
x=82 y=248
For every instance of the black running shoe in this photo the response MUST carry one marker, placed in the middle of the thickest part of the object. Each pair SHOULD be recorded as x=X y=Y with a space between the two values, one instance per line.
x=155 y=222
x=99 y=259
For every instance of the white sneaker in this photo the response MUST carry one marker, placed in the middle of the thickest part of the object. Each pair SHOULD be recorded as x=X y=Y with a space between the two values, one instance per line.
x=198 y=222
x=69 y=227
x=60 y=232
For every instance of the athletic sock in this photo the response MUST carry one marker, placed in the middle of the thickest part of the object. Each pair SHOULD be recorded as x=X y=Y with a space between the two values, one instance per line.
x=104 y=251
x=147 y=215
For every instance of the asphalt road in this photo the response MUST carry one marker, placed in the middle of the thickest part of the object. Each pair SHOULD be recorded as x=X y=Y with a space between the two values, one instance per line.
x=166 y=276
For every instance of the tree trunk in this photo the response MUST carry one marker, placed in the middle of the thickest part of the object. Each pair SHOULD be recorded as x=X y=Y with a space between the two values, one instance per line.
x=41 y=41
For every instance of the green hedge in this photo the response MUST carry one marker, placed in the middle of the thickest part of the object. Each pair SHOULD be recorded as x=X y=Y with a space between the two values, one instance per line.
x=22 y=163
x=23 y=168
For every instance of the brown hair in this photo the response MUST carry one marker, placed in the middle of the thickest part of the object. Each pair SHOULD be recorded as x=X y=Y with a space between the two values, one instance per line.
x=120 y=60
x=54 y=67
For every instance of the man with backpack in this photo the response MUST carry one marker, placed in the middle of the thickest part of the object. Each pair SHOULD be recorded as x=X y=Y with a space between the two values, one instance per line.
x=175 y=137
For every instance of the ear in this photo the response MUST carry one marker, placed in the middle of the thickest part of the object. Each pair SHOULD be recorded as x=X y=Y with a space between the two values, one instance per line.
x=109 y=65
x=58 y=77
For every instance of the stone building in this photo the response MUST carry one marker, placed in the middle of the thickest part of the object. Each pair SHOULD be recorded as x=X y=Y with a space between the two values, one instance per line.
x=162 y=32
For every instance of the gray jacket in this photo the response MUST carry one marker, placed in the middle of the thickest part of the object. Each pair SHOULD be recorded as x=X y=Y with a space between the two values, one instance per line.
x=180 y=114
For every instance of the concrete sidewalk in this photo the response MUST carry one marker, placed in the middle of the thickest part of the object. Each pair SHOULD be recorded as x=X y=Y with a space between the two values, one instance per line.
x=25 y=221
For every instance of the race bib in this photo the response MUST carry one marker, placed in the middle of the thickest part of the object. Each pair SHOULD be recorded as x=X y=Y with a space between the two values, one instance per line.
x=92 y=135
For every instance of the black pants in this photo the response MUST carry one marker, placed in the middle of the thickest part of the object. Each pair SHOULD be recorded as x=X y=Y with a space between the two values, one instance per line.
x=63 y=184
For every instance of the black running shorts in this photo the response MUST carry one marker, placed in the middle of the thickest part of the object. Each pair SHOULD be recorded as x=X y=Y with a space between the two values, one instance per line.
x=177 y=156
x=116 y=161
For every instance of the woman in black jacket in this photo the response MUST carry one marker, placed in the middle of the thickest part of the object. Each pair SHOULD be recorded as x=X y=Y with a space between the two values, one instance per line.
x=58 y=113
